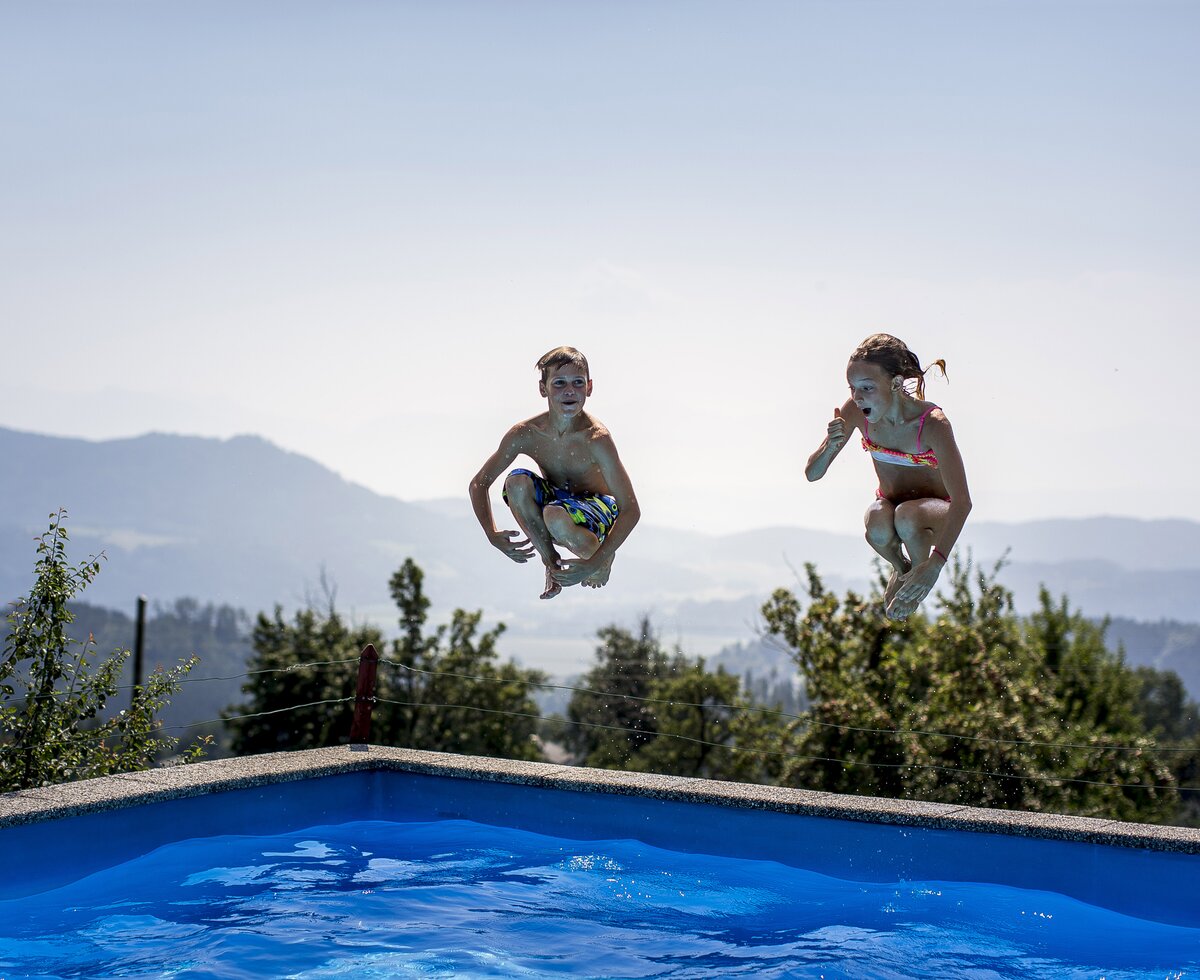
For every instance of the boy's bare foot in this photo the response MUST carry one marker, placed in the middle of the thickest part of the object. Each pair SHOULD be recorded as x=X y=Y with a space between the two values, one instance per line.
x=552 y=587
x=599 y=578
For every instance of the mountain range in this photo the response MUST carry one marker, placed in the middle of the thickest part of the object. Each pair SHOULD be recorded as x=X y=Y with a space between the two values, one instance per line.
x=243 y=522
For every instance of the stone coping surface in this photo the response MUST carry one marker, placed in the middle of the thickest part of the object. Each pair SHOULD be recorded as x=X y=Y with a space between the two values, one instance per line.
x=132 y=789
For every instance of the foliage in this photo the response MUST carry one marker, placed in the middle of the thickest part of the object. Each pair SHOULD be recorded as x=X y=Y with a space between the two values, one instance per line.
x=641 y=708
x=448 y=692
x=445 y=691
x=613 y=718
x=219 y=637
x=974 y=706
x=54 y=690
x=1172 y=718
x=301 y=677
x=1163 y=704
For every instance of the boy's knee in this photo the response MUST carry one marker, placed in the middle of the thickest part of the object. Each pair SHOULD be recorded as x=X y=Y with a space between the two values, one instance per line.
x=518 y=486
x=558 y=521
x=577 y=538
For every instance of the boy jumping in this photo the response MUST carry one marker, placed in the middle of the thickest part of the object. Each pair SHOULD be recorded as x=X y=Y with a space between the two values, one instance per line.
x=576 y=500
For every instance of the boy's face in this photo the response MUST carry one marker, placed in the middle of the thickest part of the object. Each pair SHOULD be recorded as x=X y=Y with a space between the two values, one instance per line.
x=566 y=388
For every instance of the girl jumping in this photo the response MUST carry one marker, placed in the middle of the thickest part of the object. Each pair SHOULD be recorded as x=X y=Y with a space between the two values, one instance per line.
x=922 y=501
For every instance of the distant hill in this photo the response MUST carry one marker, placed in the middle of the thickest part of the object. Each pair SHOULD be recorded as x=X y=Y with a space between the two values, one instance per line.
x=1164 y=645
x=242 y=522
x=237 y=520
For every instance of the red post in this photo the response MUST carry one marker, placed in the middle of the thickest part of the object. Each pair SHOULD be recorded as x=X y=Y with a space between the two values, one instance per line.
x=364 y=698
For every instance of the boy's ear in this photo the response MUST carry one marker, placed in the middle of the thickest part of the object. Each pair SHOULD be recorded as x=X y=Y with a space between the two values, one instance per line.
x=589 y=388
x=542 y=388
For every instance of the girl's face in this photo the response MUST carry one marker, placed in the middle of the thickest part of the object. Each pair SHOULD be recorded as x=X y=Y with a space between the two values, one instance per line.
x=872 y=388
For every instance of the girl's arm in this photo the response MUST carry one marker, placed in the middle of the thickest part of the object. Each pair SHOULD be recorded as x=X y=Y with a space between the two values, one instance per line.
x=920 y=580
x=954 y=475
x=845 y=420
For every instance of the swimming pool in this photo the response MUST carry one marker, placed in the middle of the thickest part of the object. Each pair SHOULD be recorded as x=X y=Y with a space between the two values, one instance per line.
x=391 y=863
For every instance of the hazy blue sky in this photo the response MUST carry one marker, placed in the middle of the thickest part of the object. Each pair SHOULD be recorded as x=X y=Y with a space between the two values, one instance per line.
x=352 y=228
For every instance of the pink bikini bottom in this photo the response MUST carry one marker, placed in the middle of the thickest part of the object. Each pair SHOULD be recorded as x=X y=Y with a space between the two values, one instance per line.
x=879 y=496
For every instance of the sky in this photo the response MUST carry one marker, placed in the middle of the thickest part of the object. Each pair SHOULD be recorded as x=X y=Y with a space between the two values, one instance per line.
x=352 y=228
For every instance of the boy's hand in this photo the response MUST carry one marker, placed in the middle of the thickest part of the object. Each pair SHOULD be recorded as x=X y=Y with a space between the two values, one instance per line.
x=572 y=571
x=520 y=550
x=836 y=433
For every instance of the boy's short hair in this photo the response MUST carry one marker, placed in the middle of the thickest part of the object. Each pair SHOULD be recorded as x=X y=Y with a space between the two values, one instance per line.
x=558 y=357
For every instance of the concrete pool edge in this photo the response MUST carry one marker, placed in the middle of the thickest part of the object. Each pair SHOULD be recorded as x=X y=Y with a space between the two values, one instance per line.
x=178 y=782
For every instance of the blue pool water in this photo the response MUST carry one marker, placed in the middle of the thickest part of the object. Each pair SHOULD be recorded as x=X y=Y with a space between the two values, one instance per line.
x=404 y=875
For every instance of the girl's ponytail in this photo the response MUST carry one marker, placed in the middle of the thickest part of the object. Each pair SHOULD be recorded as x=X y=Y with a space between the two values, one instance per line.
x=893 y=355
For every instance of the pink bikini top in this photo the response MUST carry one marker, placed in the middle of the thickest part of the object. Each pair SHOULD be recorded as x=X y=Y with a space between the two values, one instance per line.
x=896 y=456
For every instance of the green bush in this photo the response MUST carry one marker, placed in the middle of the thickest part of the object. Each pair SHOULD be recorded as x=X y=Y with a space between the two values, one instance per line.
x=973 y=705
x=55 y=691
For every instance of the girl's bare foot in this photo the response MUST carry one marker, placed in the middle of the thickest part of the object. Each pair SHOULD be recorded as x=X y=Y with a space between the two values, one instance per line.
x=894 y=583
x=901 y=609
x=552 y=587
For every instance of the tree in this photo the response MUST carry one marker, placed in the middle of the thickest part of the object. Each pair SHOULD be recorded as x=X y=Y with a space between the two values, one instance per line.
x=1172 y=718
x=300 y=679
x=445 y=691
x=858 y=668
x=974 y=706
x=1163 y=704
x=613 y=718
x=448 y=692
x=642 y=709
x=54 y=690
x=1098 y=698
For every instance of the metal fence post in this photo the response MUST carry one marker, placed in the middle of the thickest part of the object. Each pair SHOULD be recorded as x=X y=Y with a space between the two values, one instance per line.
x=139 y=648
x=364 y=699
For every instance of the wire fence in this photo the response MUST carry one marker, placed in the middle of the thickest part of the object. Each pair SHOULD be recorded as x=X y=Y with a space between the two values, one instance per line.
x=803 y=718
x=65 y=695
x=363 y=703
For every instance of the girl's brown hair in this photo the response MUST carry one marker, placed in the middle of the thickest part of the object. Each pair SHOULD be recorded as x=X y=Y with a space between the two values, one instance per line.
x=893 y=355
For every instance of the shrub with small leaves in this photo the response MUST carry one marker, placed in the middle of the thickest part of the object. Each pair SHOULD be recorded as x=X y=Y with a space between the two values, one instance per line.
x=55 y=690
x=973 y=705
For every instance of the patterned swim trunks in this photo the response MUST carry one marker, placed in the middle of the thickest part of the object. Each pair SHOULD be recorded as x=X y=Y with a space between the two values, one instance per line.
x=597 y=512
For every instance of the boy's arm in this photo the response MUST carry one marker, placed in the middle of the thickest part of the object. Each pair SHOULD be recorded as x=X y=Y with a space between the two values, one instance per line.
x=845 y=420
x=572 y=571
x=510 y=542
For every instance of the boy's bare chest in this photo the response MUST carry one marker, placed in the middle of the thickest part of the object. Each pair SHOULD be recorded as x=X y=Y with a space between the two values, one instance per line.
x=566 y=460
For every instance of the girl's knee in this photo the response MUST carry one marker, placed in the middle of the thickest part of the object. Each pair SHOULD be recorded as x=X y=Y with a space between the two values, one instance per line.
x=915 y=517
x=880 y=529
